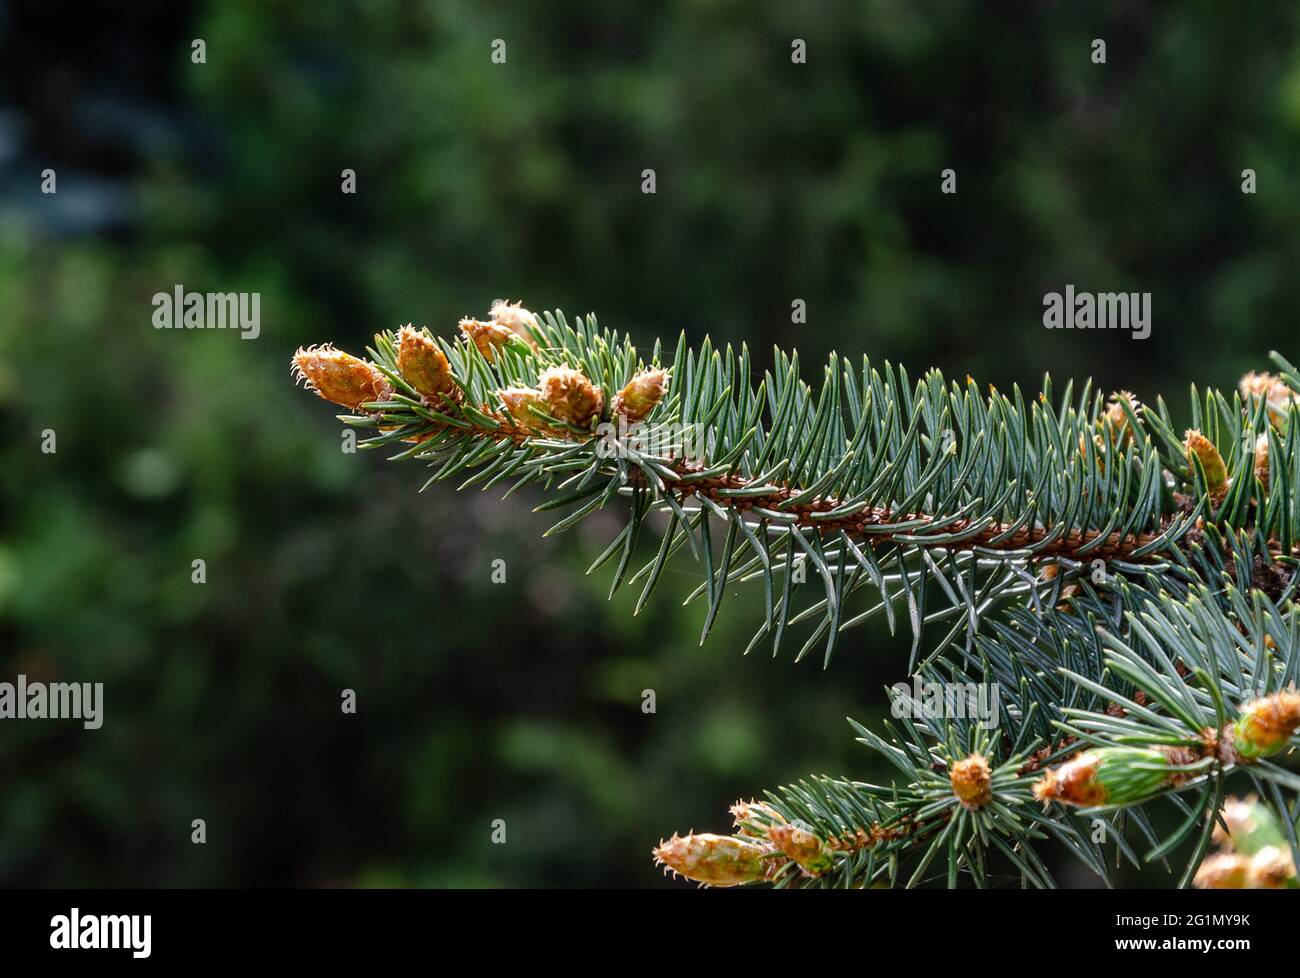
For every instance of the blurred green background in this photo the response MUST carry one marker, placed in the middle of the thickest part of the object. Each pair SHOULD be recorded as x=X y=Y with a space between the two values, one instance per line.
x=775 y=182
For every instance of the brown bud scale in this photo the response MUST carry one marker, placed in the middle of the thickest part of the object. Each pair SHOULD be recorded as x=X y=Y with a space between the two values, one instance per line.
x=339 y=377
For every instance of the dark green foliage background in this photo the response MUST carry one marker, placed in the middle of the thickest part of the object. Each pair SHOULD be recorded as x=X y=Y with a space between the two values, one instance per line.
x=476 y=181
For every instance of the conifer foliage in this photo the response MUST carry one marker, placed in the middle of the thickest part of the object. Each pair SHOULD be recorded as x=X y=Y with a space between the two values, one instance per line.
x=1131 y=591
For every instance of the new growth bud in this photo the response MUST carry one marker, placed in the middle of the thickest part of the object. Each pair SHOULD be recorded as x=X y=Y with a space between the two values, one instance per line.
x=339 y=377
x=1216 y=473
x=1117 y=417
x=811 y=854
x=1271 y=869
x=972 y=781
x=488 y=337
x=570 y=396
x=424 y=366
x=517 y=319
x=518 y=400
x=1108 y=776
x=1223 y=871
x=1261 y=461
x=1250 y=826
x=714 y=860
x=1265 y=725
x=753 y=818
x=641 y=394
x=1271 y=389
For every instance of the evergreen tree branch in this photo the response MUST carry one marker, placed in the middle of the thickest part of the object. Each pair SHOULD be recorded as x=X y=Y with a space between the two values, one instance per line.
x=1061 y=543
x=1148 y=728
x=928 y=495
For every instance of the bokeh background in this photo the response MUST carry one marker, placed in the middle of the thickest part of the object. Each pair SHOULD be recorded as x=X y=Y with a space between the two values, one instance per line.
x=775 y=182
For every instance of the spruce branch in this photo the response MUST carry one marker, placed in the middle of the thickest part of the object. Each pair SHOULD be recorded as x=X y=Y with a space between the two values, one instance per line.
x=1132 y=589
x=929 y=495
x=1148 y=728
